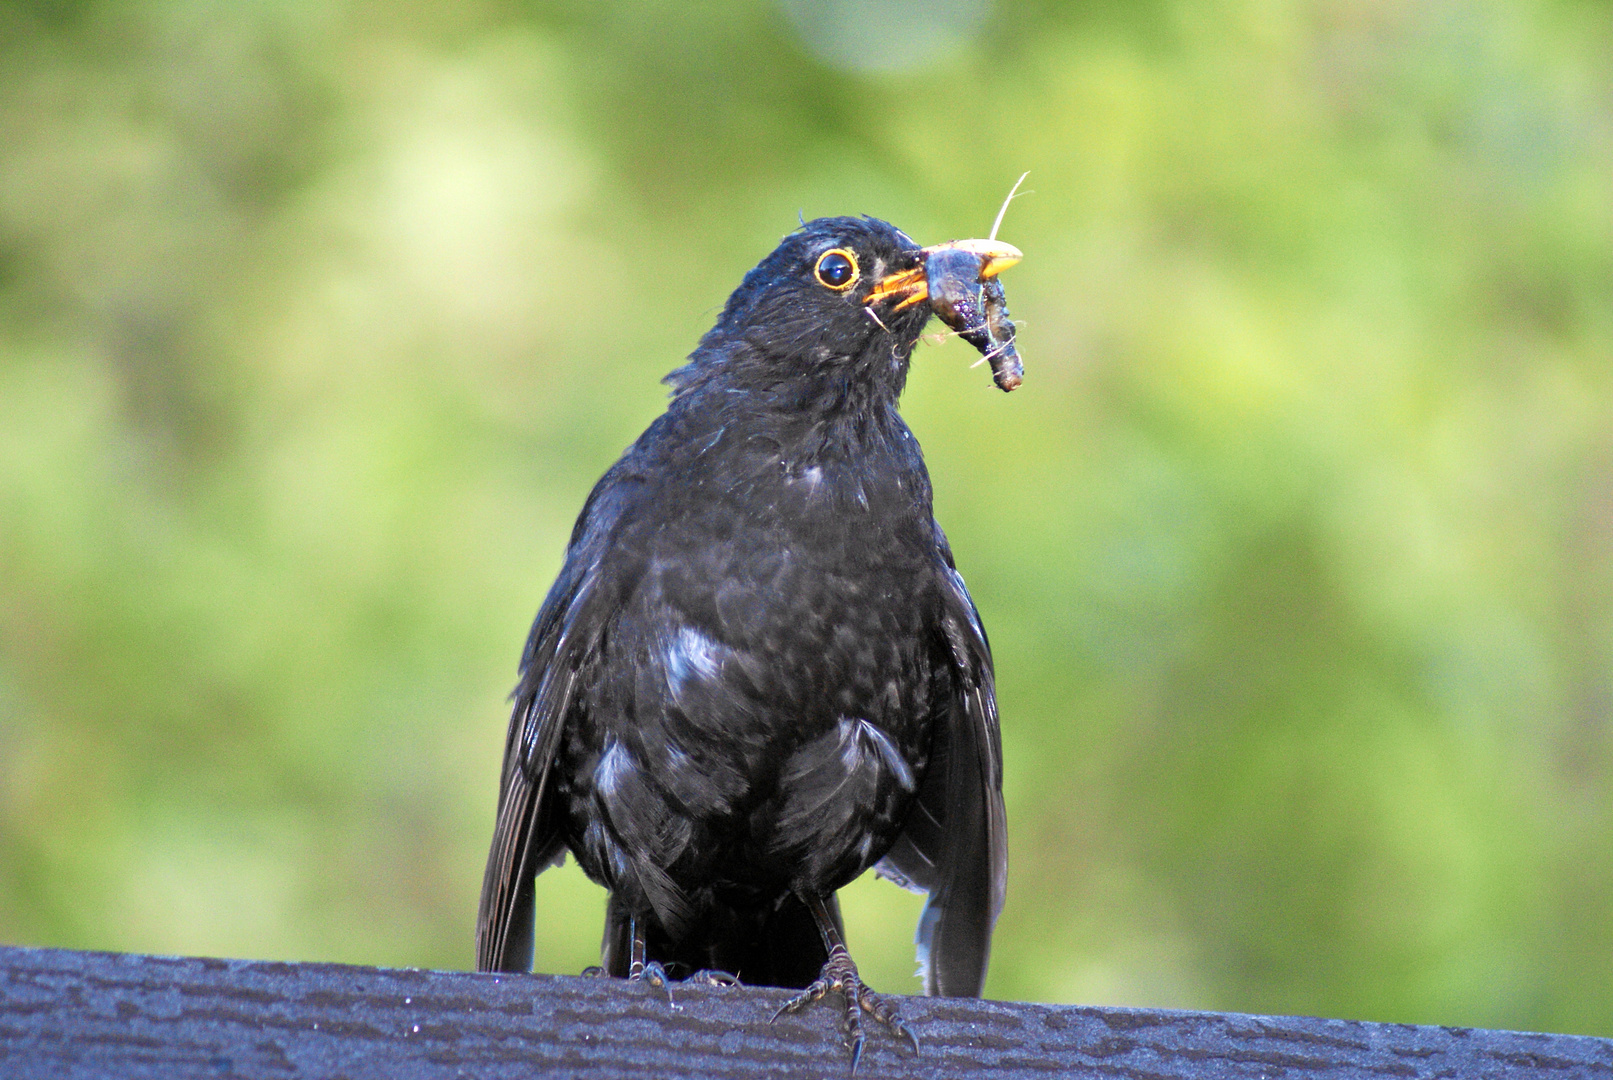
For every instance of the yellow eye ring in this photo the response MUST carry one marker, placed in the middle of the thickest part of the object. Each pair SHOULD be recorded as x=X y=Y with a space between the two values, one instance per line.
x=836 y=269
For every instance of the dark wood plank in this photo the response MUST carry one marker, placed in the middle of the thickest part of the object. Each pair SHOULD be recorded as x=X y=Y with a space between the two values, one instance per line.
x=75 y=1014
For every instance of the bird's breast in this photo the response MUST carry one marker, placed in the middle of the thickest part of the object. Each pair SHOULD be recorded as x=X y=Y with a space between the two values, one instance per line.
x=769 y=683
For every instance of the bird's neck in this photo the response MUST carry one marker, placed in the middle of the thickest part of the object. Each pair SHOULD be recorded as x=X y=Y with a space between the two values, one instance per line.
x=840 y=462
x=808 y=419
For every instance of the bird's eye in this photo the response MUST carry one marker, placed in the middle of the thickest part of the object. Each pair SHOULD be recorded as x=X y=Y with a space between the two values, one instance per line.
x=837 y=269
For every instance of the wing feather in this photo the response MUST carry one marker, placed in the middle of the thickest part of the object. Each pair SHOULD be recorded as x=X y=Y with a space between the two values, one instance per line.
x=564 y=641
x=955 y=844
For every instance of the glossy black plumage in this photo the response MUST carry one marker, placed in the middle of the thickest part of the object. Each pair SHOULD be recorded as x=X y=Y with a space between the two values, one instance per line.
x=758 y=673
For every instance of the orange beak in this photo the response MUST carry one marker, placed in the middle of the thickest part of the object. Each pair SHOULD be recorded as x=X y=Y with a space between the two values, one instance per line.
x=909 y=287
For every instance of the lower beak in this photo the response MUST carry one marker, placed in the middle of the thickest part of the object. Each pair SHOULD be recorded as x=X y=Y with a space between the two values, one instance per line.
x=909 y=287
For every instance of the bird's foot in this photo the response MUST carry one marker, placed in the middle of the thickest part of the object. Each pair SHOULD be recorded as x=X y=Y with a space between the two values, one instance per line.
x=653 y=973
x=593 y=971
x=839 y=975
x=712 y=977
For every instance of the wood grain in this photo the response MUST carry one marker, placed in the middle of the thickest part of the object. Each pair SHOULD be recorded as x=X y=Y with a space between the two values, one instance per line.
x=77 y=1014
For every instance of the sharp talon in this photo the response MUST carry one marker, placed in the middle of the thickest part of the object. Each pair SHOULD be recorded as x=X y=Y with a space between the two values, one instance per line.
x=855 y=1037
x=840 y=976
x=593 y=971
x=655 y=975
x=803 y=999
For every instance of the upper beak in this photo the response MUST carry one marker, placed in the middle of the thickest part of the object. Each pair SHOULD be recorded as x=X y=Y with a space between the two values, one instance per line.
x=911 y=287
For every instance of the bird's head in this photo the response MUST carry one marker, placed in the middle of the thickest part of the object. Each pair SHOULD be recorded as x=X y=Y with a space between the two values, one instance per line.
x=838 y=305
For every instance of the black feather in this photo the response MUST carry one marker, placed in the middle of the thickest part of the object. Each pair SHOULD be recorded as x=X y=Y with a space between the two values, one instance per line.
x=759 y=673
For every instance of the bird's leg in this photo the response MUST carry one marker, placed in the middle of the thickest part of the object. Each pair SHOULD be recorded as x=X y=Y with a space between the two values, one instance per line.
x=641 y=970
x=839 y=975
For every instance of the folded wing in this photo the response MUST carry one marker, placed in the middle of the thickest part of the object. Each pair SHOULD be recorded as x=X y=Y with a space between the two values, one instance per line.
x=955 y=845
x=559 y=659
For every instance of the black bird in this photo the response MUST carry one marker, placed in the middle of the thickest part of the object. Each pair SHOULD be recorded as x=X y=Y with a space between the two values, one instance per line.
x=759 y=673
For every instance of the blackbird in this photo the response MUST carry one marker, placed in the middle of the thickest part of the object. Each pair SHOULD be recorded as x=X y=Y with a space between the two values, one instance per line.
x=759 y=673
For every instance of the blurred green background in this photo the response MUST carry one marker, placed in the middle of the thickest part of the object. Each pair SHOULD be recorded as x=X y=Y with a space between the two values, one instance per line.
x=318 y=320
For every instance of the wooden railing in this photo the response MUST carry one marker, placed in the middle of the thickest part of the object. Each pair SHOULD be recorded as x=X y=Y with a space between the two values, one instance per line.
x=66 y=1015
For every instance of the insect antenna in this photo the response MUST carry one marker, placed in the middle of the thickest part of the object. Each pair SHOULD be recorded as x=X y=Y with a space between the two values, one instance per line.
x=995 y=225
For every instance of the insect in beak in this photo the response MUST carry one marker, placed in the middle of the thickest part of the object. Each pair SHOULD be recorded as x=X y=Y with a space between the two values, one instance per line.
x=960 y=280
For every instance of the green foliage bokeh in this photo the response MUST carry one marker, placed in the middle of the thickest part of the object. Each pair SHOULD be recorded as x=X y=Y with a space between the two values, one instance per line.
x=317 y=322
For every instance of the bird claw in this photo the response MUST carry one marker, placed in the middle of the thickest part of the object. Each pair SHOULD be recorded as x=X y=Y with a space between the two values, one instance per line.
x=839 y=975
x=713 y=977
x=655 y=975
